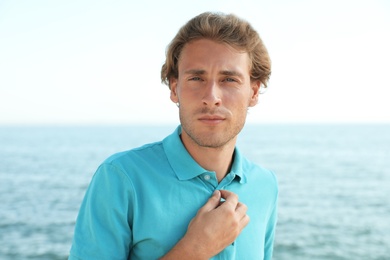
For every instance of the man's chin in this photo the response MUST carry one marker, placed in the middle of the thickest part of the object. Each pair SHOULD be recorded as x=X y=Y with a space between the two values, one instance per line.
x=209 y=140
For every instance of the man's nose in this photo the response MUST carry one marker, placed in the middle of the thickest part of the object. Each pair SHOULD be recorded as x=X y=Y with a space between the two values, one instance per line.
x=212 y=94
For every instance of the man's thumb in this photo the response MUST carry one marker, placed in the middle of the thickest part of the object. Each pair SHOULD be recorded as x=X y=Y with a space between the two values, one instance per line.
x=213 y=201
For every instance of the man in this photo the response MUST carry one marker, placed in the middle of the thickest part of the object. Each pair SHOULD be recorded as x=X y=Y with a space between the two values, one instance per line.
x=192 y=195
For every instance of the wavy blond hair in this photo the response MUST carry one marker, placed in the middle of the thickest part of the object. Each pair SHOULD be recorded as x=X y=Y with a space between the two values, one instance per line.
x=222 y=28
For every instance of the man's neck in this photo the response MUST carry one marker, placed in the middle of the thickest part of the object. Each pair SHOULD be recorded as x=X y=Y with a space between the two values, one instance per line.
x=218 y=159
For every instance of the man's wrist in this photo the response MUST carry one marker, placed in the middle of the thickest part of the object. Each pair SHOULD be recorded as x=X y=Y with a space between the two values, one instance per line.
x=186 y=249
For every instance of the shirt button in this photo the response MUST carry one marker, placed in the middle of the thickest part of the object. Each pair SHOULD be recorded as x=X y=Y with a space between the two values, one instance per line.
x=207 y=177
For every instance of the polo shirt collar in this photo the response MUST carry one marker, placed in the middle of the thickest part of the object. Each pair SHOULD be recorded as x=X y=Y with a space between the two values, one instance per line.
x=186 y=167
x=237 y=167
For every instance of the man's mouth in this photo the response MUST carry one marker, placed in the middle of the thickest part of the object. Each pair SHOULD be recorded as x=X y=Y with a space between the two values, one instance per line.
x=211 y=119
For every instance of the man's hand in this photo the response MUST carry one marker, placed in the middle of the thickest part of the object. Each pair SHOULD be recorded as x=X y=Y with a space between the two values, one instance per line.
x=216 y=225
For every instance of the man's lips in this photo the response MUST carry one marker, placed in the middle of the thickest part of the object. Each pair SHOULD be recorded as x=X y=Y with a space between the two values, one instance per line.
x=212 y=119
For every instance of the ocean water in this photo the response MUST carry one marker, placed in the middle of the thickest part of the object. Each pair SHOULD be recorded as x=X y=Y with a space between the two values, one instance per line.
x=334 y=185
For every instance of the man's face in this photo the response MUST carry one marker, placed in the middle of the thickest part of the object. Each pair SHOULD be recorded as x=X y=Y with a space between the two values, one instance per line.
x=214 y=91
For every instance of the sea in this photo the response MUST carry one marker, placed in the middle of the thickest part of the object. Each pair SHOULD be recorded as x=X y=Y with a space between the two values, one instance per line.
x=334 y=185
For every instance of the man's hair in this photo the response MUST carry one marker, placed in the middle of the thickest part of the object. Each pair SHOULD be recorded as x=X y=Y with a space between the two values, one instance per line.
x=221 y=28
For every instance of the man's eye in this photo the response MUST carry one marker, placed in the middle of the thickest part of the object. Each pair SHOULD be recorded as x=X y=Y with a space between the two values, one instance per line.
x=195 y=78
x=230 y=80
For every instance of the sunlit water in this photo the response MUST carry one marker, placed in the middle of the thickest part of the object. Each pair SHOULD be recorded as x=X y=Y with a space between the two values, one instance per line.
x=334 y=185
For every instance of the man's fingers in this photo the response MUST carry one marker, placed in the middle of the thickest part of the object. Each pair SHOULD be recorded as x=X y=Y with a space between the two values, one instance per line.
x=241 y=214
x=229 y=197
x=212 y=203
x=230 y=202
x=241 y=208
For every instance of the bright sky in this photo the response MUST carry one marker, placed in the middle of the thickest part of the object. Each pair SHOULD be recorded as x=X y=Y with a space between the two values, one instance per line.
x=98 y=62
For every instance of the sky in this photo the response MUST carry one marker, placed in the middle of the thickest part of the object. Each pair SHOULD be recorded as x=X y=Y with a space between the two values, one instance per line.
x=79 y=62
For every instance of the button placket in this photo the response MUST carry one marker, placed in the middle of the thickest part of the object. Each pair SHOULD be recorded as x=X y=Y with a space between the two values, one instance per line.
x=209 y=179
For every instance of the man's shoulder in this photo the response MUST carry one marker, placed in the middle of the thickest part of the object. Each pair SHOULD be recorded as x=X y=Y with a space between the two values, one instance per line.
x=137 y=153
x=132 y=162
x=258 y=171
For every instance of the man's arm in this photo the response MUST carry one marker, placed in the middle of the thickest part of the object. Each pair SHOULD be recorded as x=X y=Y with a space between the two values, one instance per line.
x=215 y=226
x=102 y=230
x=270 y=232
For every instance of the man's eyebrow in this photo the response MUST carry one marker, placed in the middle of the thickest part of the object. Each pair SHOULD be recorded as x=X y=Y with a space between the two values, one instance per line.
x=231 y=73
x=222 y=72
x=195 y=72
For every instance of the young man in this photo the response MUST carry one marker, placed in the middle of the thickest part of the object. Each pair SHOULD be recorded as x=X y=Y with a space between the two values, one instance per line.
x=192 y=195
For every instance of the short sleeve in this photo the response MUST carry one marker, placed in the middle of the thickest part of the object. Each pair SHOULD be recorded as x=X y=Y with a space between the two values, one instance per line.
x=271 y=226
x=103 y=229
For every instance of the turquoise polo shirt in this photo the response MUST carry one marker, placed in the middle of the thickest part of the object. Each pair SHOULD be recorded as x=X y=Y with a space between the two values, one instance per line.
x=140 y=202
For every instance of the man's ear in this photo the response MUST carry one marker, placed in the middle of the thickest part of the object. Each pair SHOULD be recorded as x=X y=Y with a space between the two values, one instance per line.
x=254 y=99
x=173 y=88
